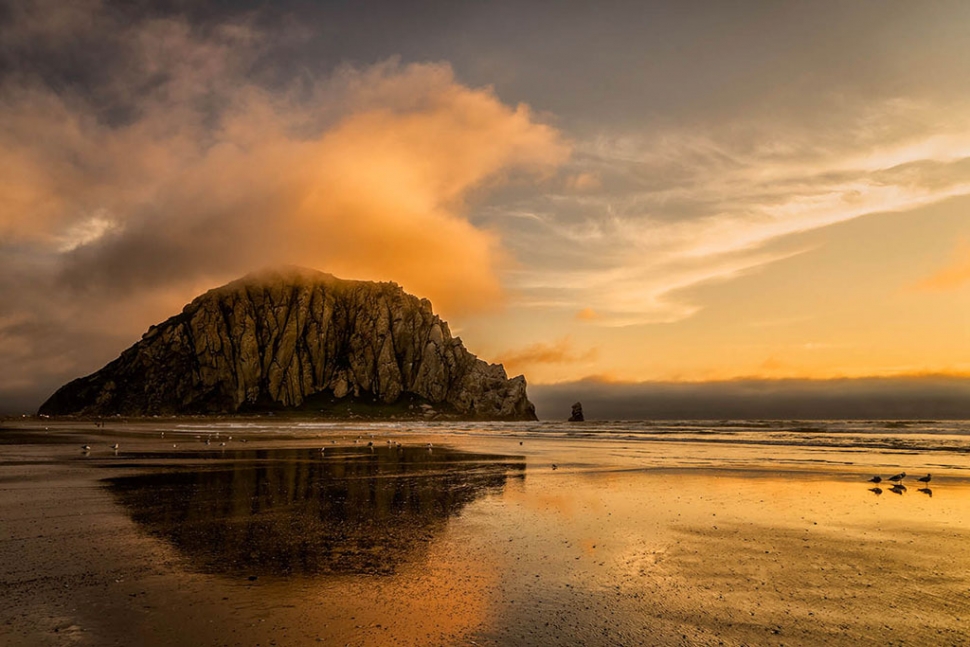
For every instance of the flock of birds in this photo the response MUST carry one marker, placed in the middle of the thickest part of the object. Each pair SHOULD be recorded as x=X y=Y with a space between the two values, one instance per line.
x=897 y=484
x=370 y=444
x=208 y=441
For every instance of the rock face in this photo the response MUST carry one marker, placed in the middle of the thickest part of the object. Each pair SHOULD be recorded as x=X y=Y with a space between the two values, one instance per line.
x=577 y=415
x=299 y=339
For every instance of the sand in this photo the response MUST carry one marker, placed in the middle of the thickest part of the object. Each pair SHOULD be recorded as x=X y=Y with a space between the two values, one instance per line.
x=496 y=535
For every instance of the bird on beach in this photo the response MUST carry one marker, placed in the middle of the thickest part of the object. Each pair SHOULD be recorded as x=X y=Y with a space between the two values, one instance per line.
x=898 y=478
x=86 y=448
x=876 y=479
x=876 y=490
x=925 y=479
x=115 y=447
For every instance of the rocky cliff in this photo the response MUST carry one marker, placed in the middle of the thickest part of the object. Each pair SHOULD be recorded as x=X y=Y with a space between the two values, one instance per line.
x=299 y=339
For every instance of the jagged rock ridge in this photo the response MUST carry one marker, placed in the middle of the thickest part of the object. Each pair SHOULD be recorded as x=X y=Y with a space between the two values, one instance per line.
x=291 y=338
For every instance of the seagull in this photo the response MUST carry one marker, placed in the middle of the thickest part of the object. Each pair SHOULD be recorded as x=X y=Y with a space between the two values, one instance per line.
x=430 y=445
x=876 y=479
x=554 y=466
x=115 y=447
x=876 y=490
x=898 y=478
x=86 y=448
x=925 y=479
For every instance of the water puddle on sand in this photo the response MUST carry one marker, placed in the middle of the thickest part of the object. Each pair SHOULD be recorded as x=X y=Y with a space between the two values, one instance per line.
x=307 y=512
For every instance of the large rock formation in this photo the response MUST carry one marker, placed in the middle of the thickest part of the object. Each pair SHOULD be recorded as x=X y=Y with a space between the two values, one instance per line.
x=299 y=339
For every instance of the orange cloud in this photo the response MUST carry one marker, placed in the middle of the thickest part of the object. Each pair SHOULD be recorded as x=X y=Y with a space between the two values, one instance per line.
x=587 y=314
x=952 y=276
x=387 y=192
x=585 y=181
x=560 y=352
x=368 y=178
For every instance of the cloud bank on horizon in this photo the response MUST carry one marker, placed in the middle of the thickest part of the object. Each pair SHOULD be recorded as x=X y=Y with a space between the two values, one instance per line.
x=651 y=212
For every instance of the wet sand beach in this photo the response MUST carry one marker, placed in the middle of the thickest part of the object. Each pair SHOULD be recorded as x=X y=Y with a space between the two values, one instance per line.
x=516 y=534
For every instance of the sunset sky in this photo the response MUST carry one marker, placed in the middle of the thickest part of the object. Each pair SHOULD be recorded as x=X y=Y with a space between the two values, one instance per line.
x=615 y=192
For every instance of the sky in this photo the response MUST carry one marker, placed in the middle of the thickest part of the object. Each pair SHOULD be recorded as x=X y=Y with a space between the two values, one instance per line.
x=626 y=195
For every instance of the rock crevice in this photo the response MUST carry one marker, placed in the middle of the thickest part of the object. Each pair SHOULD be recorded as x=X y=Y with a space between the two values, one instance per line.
x=280 y=338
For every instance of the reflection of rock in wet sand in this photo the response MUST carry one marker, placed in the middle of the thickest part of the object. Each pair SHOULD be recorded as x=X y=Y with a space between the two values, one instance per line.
x=293 y=511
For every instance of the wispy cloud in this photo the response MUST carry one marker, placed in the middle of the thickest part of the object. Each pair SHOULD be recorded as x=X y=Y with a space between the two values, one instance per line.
x=681 y=208
x=558 y=352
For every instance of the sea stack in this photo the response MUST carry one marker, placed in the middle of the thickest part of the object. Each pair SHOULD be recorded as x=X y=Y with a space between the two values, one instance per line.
x=577 y=415
x=298 y=339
